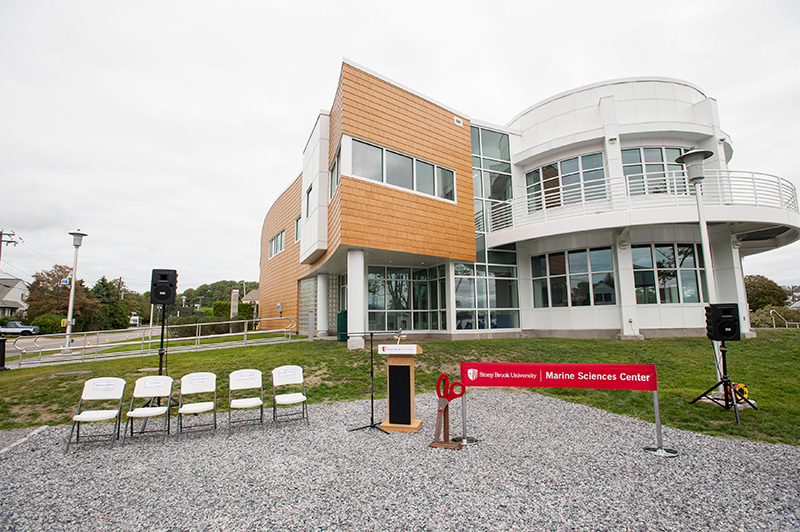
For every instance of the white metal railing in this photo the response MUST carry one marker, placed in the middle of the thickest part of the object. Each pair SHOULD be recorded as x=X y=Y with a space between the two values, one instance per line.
x=773 y=313
x=553 y=200
x=140 y=341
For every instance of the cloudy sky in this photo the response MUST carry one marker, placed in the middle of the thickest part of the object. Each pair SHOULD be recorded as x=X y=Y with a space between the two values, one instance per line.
x=166 y=129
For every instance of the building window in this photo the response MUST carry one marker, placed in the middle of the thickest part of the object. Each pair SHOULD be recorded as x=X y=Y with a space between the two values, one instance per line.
x=445 y=180
x=276 y=244
x=367 y=161
x=308 y=200
x=654 y=171
x=668 y=273
x=405 y=297
x=335 y=176
x=575 y=278
x=297 y=229
x=573 y=180
x=486 y=294
x=400 y=170
x=491 y=179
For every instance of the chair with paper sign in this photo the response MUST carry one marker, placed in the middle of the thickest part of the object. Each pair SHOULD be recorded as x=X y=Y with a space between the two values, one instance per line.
x=99 y=389
x=204 y=384
x=152 y=388
x=285 y=377
x=242 y=381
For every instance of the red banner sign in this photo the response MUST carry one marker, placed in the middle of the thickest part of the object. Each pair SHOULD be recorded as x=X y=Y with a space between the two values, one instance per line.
x=545 y=375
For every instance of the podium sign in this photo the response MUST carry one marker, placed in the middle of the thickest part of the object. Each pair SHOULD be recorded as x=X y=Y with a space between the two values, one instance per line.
x=400 y=387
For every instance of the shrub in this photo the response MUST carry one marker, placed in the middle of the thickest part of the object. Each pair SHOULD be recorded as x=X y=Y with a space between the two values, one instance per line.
x=762 y=318
x=49 y=323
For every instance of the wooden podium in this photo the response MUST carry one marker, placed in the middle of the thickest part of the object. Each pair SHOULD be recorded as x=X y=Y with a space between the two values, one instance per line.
x=400 y=387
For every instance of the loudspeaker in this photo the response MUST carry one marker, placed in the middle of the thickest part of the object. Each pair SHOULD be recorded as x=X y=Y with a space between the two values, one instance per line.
x=722 y=322
x=164 y=287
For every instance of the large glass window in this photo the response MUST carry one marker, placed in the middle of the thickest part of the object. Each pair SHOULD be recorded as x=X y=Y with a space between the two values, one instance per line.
x=491 y=178
x=667 y=273
x=487 y=293
x=573 y=180
x=403 y=297
x=576 y=278
x=487 y=290
x=653 y=170
x=393 y=168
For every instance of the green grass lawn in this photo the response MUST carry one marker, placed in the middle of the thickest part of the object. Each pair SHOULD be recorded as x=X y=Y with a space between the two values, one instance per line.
x=769 y=365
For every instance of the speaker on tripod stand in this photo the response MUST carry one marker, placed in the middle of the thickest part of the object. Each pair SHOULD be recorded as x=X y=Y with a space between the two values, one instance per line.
x=722 y=325
x=163 y=288
x=722 y=322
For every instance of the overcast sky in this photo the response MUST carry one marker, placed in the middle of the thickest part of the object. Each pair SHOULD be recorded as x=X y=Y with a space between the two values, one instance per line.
x=166 y=129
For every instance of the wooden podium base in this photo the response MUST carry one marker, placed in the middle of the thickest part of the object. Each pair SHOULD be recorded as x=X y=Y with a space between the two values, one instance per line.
x=414 y=426
x=446 y=444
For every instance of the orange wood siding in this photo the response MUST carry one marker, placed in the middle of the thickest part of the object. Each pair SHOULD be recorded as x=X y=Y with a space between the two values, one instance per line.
x=368 y=214
x=280 y=274
x=378 y=216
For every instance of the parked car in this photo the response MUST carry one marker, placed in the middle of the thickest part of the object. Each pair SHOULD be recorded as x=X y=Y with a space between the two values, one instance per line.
x=16 y=327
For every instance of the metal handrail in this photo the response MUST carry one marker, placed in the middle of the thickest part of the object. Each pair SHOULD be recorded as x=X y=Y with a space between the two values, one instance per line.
x=773 y=313
x=96 y=344
x=551 y=199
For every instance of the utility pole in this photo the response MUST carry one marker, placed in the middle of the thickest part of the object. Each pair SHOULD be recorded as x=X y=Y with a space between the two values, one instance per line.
x=3 y=240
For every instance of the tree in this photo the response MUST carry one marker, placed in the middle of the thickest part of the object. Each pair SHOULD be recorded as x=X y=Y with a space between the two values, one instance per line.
x=762 y=291
x=207 y=294
x=49 y=296
x=104 y=291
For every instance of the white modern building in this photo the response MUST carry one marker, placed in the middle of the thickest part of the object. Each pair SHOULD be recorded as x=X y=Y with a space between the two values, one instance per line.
x=583 y=222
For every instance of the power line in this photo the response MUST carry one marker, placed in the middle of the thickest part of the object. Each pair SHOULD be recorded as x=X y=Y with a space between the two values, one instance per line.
x=36 y=250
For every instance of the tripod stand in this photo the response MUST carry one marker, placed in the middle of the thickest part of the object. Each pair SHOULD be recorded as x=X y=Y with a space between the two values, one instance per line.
x=731 y=396
x=372 y=423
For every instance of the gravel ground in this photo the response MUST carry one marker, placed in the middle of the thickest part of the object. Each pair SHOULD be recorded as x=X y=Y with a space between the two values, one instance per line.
x=539 y=464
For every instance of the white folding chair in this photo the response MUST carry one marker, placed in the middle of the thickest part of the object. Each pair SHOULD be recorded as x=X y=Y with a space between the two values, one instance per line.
x=153 y=388
x=98 y=389
x=198 y=383
x=288 y=376
x=245 y=379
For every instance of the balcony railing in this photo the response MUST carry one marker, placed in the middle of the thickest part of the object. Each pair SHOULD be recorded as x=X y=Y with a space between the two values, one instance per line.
x=551 y=200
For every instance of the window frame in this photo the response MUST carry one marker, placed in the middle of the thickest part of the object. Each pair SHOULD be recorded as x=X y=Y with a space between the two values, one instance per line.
x=439 y=192
x=670 y=281
x=277 y=244
x=553 y=191
x=558 y=290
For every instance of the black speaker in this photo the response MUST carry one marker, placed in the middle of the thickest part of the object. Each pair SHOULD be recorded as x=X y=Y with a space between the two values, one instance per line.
x=164 y=287
x=722 y=322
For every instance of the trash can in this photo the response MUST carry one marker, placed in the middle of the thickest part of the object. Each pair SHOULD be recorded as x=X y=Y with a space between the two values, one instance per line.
x=341 y=326
x=2 y=353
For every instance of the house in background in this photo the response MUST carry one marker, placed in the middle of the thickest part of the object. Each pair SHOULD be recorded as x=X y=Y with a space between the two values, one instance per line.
x=252 y=297
x=13 y=296
x=573 y=219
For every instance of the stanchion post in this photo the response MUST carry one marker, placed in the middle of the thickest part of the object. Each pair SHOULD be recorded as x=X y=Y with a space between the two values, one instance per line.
x=464 y=439
x=659 y=450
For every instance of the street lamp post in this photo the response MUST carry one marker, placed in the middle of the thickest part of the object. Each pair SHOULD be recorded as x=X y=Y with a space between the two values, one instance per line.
x=693 y=160
x=77 y=239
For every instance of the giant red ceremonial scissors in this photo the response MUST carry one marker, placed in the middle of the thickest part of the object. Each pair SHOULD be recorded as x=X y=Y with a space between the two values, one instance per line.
x=446 y=392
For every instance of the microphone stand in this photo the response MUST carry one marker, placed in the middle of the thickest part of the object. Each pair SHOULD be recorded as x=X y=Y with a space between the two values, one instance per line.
x=372 y=423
